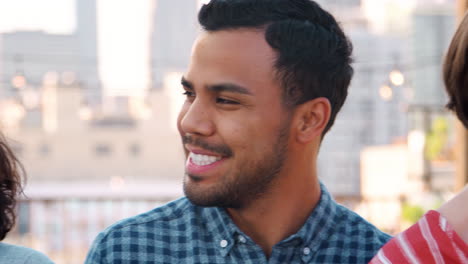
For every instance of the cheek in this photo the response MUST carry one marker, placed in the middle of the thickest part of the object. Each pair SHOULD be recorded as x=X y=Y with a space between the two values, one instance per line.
x=233 y=133
x=243 y=136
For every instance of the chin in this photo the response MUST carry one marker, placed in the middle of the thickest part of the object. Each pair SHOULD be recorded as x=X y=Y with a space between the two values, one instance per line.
x=208 y=197
x=198 y=195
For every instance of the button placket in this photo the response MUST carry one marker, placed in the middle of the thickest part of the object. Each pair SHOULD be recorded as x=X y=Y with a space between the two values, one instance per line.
x=306 y=254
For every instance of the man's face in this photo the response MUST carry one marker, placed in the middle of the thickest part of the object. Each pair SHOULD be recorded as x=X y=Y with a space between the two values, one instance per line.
x=233 y=124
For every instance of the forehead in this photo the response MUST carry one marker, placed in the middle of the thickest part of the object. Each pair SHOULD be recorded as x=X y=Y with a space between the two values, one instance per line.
x=240 y=56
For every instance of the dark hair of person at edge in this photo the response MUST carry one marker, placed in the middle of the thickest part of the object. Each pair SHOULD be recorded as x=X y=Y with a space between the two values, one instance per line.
x=10 y=187
x=455 y=72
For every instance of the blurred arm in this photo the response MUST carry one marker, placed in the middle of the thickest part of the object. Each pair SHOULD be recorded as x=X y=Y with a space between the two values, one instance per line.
x=456 y=213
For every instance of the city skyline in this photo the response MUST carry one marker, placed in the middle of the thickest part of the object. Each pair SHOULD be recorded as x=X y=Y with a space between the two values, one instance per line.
x=123 y=44
x=90 y=165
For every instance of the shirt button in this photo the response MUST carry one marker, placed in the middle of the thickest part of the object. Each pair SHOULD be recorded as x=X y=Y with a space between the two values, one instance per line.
x=223 y=243
x=306 y=251
x=242 y=239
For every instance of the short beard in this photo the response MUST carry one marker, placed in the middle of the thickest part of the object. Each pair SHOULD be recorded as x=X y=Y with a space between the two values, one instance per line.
x=249 y=183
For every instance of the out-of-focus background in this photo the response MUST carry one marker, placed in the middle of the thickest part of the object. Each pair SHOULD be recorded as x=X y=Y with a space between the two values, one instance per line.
x=89 y=93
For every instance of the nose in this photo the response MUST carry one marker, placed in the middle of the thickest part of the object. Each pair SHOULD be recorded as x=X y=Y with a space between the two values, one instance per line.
x=195 y=118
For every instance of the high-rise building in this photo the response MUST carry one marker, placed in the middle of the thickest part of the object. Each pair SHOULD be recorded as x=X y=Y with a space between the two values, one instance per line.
x=86 y=34
x=173 y=32
x=428 y=49
x=370 y=116
x=378 y=112
x=71 y=58
x=34 y=53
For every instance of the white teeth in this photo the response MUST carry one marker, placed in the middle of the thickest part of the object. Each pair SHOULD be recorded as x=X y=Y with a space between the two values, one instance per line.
x=203 y=160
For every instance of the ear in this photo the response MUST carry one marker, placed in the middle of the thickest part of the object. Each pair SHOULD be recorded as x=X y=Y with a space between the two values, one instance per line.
x=311 y=118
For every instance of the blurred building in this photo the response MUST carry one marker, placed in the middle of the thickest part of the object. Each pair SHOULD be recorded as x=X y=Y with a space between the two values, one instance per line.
x=374 y=113
x=86 y=34
x=348 y=12
x=171 y=37
x=30 y=55
x=385 y=182
x=375 y=110
x=431 y=32
x=396 y=88
x=397 y=173
x=75 y=142
x=388 y=184
x=428 y=49
x=88 y=168
x=395 y=16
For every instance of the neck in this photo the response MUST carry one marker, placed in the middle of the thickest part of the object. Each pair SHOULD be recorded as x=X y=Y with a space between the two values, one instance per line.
x=283 y=210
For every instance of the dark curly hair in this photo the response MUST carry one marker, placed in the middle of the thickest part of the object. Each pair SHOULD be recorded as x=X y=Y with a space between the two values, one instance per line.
x=313 y=53
x=11 y=171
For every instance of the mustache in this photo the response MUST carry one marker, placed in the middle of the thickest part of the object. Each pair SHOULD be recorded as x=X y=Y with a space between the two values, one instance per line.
x=223 y=150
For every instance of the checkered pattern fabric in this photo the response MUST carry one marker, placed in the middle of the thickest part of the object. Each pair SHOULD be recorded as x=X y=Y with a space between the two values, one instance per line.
x=181 y=232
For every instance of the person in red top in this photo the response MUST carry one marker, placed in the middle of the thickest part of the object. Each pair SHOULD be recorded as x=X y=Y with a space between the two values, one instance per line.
x=440 y=236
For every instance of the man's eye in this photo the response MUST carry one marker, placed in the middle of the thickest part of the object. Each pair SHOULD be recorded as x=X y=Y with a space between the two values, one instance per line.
x=225 y=101
x=189 y=94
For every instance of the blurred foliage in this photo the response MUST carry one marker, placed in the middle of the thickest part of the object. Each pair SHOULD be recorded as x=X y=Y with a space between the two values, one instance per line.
x=437 y=138
x=411 y=213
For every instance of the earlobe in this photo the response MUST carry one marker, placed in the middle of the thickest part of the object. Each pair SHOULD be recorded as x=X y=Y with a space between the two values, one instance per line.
x=312 y=118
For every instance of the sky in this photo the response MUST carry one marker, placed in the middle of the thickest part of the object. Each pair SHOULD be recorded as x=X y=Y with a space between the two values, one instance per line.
x=124 y=45
x=57 y=16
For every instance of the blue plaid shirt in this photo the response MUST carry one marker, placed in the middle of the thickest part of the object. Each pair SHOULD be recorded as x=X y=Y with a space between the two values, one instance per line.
x=181 y=232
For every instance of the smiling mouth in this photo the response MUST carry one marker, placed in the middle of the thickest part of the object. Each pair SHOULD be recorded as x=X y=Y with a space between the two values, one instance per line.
x=203 y=160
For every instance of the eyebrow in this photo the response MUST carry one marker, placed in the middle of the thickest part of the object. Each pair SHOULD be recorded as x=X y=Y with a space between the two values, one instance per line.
x=186 y=83
x=229 y=87
x=222 y=87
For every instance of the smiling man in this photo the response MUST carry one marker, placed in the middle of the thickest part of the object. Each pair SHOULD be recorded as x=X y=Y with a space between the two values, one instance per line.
x=265 y=83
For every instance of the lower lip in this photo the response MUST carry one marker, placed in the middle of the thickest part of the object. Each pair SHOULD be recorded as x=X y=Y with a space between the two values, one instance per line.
x=193 y=168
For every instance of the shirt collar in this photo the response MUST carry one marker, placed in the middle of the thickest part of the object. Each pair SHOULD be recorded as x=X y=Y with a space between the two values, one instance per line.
x=320 y=225
x=317 y=228
x=221 y=226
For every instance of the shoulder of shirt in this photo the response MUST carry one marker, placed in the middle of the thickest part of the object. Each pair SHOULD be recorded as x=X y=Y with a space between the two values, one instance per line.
x=172 y=211
x=353 y=225
x=14 y=254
